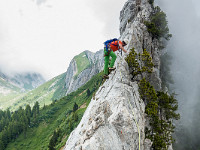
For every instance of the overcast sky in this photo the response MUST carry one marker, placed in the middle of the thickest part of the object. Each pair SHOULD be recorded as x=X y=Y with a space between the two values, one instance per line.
x=44 y=35
x=184 y=24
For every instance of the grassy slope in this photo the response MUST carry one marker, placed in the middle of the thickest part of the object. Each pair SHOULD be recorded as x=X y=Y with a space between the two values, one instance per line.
x=8 y=100
x=82 y=62
x=57 y=116
x=12 y=92
x=44 y=94
x=8 y=85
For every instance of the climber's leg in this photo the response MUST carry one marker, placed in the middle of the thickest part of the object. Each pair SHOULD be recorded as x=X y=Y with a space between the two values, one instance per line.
x=113 y=55
x=106 y=59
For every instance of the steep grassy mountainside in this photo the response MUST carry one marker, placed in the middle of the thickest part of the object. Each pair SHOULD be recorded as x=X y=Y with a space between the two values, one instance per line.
x=8 y=93
x=13 y=86
x=82 y=68
x=82 y=63
x=8 y=87
x=44 y=94
x=60 y=117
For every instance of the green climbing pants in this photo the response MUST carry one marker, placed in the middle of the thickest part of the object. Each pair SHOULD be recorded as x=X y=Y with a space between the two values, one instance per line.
x=106 y=59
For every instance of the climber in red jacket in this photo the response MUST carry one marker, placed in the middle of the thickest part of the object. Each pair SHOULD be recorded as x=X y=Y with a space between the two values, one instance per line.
x=109 y=50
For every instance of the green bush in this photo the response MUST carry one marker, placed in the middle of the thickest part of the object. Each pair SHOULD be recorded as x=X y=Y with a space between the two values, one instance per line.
x=75 y=107
x=161 y=109
x=145 y=65
x=147 y=62
x=151 y=2
x=158 y=26
x=132 y=61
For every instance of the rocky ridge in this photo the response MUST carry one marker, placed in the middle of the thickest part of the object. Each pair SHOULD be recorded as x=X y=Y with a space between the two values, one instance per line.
x=115 y=118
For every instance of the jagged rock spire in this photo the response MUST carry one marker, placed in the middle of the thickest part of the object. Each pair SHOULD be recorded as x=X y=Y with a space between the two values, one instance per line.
x=115 y=118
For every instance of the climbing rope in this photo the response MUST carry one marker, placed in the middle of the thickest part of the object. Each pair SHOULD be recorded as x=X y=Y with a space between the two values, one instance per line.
x=130 y=104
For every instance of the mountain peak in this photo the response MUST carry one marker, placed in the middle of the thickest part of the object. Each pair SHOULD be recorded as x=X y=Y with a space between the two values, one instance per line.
x=82 y=68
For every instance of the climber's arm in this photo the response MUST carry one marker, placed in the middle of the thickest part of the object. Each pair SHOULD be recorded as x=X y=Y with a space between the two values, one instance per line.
x=120 y=45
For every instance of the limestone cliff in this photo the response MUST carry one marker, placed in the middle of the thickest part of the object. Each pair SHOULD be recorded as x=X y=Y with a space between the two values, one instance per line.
x=77 y=76
x=115 y=118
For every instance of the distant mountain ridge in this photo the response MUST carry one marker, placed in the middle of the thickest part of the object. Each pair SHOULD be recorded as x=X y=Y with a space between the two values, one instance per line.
x=12 y=86
x=6 y=87
x=82 y=68
x=45 y=94
x=24 y=81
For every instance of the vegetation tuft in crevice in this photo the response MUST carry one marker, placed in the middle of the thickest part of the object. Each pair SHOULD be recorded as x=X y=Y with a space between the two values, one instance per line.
x=160 y=107
x=139 y=63
x=158 y=24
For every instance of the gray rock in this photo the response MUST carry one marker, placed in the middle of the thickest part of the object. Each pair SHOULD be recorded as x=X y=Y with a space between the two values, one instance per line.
x=96 y=65
x=115 y=118
x=136 y=32
x=110 y=120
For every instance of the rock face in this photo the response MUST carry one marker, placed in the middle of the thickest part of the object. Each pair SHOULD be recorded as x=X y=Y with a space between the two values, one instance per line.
x=96 y=62
x=132 y=27
x=115 y=118
x=108 y=122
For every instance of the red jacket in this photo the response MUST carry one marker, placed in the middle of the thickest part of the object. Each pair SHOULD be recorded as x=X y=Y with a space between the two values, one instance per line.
x=115 y=45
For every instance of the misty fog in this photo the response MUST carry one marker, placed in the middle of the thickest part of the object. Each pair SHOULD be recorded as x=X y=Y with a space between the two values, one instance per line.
x=184 y=24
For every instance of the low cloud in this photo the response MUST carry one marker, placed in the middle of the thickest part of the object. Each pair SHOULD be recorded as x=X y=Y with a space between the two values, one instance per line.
x=107 y=11
x=184 y=20
x=47 y=39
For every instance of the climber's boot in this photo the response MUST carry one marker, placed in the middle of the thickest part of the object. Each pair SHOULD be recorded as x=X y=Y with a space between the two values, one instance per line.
x=111 y=68
x=106 y=77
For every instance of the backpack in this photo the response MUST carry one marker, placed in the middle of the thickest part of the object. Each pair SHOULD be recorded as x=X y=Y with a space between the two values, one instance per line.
x=107 y=43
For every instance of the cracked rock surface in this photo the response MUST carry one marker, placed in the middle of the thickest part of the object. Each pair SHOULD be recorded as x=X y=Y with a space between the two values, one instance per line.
x=109 y=123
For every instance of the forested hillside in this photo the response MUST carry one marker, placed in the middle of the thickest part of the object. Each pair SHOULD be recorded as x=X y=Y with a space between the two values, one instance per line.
x=48 y=127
